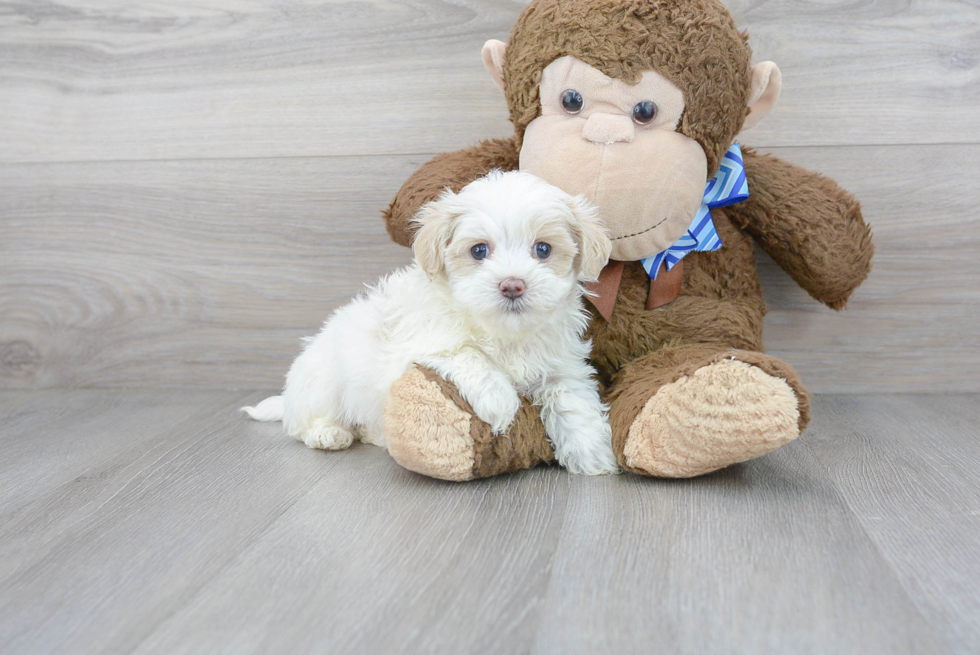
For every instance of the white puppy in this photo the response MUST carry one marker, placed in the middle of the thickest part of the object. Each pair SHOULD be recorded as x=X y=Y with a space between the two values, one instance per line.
x=493 y=304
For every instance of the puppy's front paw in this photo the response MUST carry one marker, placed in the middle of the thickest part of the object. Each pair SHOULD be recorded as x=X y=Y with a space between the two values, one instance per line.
x=583 y=444
x=599 y=461
x=496 y=405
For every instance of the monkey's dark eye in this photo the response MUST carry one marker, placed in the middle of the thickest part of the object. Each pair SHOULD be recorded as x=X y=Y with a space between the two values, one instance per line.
x=480 y=251
x=571 y=101
x=542 y=250
x=644 y=112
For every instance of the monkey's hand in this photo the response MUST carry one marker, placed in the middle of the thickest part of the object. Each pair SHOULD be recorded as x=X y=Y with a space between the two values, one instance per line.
x=808 y=224
x=452 y=169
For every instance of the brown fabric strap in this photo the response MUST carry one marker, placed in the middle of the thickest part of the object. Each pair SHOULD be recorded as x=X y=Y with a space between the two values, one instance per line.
x=667 y=286
x=665 y=289
x=606 y=288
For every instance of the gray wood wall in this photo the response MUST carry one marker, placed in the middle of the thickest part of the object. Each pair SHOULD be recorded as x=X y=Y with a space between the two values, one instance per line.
x=186 y=188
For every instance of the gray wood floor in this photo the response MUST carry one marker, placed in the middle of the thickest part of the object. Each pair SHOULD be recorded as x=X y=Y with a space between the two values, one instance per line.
x=162 y=522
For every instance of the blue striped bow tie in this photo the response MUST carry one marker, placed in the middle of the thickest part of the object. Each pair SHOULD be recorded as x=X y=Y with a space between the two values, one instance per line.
x=727 y=187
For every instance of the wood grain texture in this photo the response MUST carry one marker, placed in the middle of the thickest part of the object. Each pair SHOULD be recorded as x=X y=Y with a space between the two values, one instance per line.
x=912 y=325
x=241 y=78
x=207 y=273
x=909 y=468
x=222 y=535
x=105 y=556
x=402 y=564
x=281 y=126
x=763 y=557
x=80 y=433
x=187 y=188
x=168 y=273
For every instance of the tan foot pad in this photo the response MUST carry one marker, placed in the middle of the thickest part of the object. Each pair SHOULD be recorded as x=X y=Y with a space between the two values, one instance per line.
x=425 y=431
x=725 y=413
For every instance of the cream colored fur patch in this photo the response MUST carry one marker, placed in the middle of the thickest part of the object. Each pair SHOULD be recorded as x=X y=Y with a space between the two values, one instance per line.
x=427 y=432
x=646 y=180
x=724 y=413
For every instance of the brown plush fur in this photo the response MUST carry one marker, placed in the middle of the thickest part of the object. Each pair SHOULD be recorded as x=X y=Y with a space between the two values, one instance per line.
x=721 y=413
x=453 y=170
x=693 y=43
x=808 y=224
x=812 y=228
x=525 y=446
x=426 y=431
x=637 y=382
x=720 y=303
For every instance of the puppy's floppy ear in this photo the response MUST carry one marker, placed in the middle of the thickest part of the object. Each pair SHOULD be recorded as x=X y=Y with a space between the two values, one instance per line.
x=435 y=221
x=594 y=246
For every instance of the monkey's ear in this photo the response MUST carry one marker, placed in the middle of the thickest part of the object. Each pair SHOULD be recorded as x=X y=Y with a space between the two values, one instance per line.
x=494 y=54
x=434 y=221
x=766 y=84
x=594 y=246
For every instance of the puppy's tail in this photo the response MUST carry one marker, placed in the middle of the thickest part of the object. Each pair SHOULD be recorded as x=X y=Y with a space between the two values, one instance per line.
x=269 y=409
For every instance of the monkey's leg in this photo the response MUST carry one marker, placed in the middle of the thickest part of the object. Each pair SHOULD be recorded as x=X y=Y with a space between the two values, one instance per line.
x=431 y=430
x=692 y=409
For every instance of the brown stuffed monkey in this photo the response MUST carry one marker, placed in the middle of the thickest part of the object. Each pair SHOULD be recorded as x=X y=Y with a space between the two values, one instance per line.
x=634 y=104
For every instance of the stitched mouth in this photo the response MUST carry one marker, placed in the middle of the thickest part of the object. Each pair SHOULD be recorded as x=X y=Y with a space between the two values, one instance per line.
x=636 y=234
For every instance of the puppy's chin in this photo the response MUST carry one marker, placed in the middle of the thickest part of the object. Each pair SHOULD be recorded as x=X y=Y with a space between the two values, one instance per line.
x=515 y=307
x=497 y=314
x=504 y=316
x=518 y=314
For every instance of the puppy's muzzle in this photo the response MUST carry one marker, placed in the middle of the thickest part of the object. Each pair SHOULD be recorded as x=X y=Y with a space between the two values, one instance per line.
x=512 y=288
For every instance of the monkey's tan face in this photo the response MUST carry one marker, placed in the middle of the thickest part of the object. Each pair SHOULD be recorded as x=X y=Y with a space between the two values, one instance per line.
x=617 y=145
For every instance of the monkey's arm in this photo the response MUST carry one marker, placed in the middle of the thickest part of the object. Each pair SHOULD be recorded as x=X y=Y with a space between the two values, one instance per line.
x=452 y=169
x=808 y=224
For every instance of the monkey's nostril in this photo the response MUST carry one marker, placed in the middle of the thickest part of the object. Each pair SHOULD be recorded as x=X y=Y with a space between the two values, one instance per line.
x=512 y=287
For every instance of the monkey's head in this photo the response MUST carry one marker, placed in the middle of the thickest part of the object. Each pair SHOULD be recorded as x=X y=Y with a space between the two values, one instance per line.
x=631 y=103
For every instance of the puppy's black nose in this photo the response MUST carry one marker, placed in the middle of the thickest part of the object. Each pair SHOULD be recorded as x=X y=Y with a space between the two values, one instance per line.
x=512 y=287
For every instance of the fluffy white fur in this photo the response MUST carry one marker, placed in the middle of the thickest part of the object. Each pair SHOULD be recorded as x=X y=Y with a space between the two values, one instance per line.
x=447 y=311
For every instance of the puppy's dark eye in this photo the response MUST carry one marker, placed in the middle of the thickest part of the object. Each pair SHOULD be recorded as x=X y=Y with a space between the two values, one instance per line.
x=480 y=251
x=644 y=112
x=571 y=101
x=542 y=250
